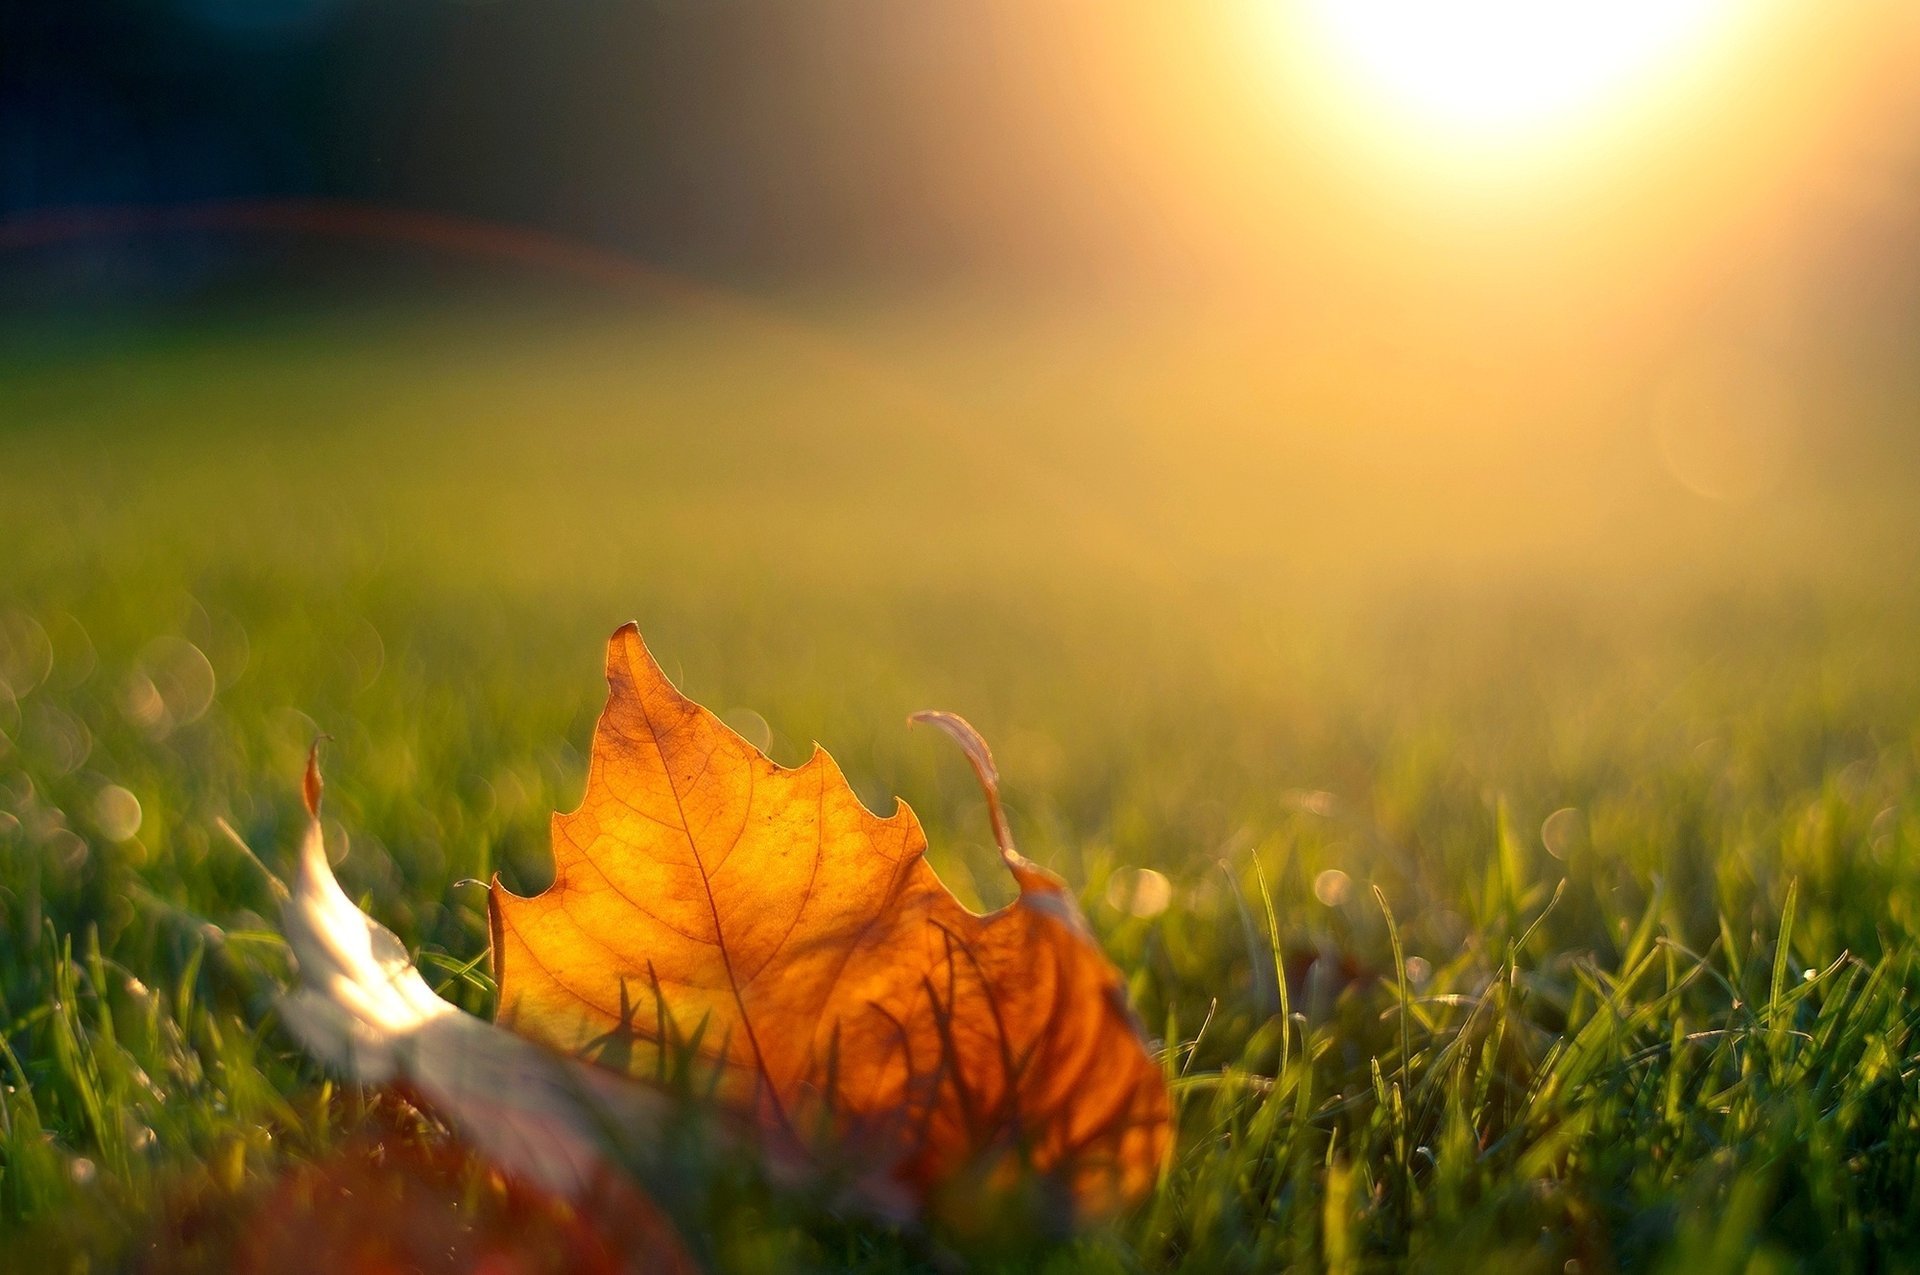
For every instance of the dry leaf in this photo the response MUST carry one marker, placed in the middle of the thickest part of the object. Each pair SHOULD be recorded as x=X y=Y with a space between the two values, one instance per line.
x=707 y=899
x=363 y=1008
x=392 y=1198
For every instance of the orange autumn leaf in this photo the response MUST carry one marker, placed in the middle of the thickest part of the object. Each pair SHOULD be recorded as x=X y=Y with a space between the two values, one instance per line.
x=705 y=897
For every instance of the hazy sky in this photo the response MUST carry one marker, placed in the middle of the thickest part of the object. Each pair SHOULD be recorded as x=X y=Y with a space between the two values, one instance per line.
x=933 y=136
x=1765 y=199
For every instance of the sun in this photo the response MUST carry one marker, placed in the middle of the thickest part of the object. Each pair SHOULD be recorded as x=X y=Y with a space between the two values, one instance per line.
x=1492 y=73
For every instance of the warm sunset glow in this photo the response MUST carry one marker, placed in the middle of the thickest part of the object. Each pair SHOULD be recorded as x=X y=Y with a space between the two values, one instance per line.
x=1493 y=73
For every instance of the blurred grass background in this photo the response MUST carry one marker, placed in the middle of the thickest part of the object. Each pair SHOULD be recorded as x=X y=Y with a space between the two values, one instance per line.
x=1214 y=624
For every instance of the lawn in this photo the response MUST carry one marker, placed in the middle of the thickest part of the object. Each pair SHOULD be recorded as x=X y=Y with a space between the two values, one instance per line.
x=1586 y=806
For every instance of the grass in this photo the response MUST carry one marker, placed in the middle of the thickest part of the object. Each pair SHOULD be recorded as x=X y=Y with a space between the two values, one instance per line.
x=1570 y=817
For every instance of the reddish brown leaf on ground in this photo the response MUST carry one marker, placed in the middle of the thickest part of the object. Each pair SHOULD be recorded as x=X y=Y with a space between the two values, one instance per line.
x=704 y=895
x=398 y=1199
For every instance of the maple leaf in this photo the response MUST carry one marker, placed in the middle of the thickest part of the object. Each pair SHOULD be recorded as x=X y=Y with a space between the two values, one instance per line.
x=706 y=900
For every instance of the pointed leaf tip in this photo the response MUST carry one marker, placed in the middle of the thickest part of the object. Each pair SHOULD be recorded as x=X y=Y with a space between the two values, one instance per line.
x=619 y=648
x=311 y=785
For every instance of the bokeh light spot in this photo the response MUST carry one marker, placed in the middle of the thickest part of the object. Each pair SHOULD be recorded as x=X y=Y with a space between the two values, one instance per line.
x=1563 y=832
x=1140 y=892
x=116 y=813
x=1725 y=422
x=1332 y=887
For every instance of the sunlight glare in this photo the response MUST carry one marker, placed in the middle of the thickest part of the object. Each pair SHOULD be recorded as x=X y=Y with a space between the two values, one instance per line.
x=1496 y=72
